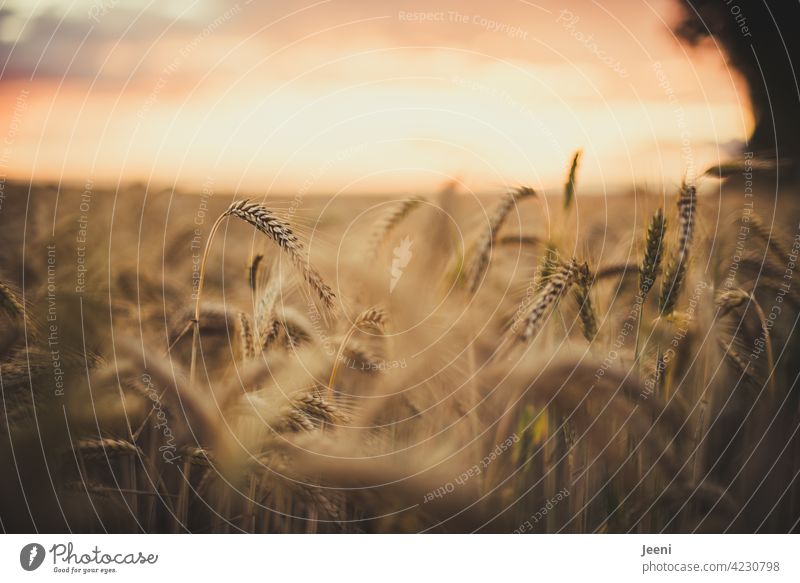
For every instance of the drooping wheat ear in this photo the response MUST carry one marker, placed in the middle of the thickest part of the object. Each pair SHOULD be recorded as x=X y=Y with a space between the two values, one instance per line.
x=252 y=272
x=677 y=265
x=771 y=238
x=389 y=221
x=483 y=249
x=247 y=343
x=556 y=286
x=9 y=302
x=730 y=300
x=653 y=252
x=372 y=318
x=569 y=185
x=283 y=236
x=583 y=299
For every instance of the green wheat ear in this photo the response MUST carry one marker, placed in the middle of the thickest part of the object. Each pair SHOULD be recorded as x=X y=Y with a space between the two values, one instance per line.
x=569 y=186
x=653 y=252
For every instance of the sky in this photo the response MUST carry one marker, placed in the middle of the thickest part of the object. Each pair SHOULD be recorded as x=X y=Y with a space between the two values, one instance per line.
x=346 y=96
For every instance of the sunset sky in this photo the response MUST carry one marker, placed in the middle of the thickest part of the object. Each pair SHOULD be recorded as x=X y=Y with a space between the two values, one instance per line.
x=351 y=96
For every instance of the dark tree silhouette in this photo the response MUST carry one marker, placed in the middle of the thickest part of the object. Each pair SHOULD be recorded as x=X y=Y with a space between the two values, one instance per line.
x=761 y=40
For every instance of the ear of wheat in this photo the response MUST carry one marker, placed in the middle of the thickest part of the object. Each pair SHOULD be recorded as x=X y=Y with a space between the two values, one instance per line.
x=252 y=272
x=266 y=326
x=372 y=318
x=556 y=286
x=106 y=447
x=246 y=340
x=676 y=268
x=583 y=299
x=483 y=250
x=359 y=356
x=771 y=238
x=653 y=252
x=569 y=186
x=9 y=302
x=391 y=219
x=729 y=300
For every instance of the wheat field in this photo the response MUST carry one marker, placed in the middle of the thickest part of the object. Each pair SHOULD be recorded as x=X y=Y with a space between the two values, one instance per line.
x=517 y=361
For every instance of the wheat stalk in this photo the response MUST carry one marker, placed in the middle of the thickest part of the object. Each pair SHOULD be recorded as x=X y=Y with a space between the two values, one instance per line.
x=483 y=250
x=676 y=268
